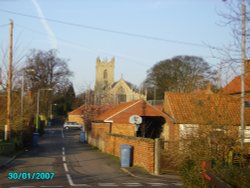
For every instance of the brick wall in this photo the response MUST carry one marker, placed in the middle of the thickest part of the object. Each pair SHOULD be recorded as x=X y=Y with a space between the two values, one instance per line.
x=165 y=132
x=123 y=129
x=143 y=148
x=98 y=134
x=75 y=118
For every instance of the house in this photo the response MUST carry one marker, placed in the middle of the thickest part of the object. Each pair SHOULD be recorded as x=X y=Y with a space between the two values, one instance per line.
x=109 y=91
x=188 y=111
x=117 y=119
x=234 y=87
x=85 y=111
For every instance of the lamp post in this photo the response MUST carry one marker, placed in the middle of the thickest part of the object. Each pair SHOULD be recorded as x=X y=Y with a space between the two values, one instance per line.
x=37 y=107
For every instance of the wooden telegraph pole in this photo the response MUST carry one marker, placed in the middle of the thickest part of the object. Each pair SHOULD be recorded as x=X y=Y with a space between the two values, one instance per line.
x=9 y=92
x=243 y=58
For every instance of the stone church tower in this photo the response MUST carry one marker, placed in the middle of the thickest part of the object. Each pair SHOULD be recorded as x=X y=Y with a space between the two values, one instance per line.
x=109 y=91
x=104 y=74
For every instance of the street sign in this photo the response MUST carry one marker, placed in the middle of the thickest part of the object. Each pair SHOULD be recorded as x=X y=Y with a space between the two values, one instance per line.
x=135 y=119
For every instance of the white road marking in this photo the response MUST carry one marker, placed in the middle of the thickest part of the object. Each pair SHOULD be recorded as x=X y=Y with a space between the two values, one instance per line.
x=132 y=184
x=178 y=184
x=70 y=180
x=65 y=167
x=63 y=151
x=108 y=184
x=62 y=134
x=71 y=183
x=63 y=158
x=157 y=184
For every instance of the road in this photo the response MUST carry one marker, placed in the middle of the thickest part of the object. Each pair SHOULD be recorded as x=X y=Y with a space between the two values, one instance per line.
x=73 y=164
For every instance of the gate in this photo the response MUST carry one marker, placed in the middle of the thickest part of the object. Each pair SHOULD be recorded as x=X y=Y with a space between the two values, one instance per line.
x=169 y=156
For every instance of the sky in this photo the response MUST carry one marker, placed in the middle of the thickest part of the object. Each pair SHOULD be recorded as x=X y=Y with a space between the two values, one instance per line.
x=138 y=33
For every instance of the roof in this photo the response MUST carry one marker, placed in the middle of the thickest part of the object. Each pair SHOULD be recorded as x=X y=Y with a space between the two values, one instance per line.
x=234 y=87
x=191 y=108
x=130 y=85
x=121 y=112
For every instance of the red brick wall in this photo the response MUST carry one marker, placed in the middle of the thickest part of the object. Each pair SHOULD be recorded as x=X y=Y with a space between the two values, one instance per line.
x=143 y=148
x=123 y=129
x=98 y=129
x=97 y=135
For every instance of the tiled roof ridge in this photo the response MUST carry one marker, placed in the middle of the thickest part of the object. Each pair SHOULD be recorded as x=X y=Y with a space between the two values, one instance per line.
x=129 y=106
x=75 y=110
x=171 y=111
x=235 y=84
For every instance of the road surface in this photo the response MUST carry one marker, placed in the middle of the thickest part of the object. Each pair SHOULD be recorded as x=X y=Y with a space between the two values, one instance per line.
x=61 y=160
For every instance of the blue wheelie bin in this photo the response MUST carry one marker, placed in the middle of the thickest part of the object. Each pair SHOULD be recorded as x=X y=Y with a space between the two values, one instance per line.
x=82 y=137
x=125 y=155
x=35 y=139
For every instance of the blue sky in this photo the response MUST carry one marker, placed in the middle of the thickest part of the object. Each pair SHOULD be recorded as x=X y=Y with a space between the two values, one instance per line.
x=191 y=21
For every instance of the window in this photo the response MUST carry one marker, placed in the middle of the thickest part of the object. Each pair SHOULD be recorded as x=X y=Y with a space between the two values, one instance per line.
x=121 y=95
x=105 y=74
x=188 y=130
x=247 y=134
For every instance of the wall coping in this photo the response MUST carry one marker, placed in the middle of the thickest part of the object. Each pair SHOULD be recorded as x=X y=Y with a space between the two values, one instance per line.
x=132 y=138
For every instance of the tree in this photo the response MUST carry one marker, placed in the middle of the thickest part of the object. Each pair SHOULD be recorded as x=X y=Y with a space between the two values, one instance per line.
x=179 y=74
x=50 y=71
x=231 y=53
x=64 y=101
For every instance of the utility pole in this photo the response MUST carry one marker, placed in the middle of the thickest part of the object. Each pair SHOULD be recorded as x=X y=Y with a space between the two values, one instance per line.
x=9 y=92
x=243 y=68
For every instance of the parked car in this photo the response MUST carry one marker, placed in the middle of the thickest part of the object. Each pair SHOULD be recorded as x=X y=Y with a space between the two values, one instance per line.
x=72 y=125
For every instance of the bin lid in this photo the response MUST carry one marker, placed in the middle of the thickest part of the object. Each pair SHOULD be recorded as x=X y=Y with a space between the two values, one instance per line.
x=125 y=146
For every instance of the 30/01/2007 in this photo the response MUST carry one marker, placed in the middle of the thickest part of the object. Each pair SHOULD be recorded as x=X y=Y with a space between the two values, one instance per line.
x=30 y=175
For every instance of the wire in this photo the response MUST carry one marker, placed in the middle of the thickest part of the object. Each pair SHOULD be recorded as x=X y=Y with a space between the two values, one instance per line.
x=60 y=39
x=109 y=30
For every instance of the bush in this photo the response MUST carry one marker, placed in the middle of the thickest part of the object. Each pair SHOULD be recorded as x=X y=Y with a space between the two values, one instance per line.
x=6 y=148
x=234 y=175
x=190 y=172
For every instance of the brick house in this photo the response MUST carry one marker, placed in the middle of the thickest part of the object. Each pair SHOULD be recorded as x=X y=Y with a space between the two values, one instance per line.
x=234 y=86
x=187 y=111
x=80 y=114
x=117 y=119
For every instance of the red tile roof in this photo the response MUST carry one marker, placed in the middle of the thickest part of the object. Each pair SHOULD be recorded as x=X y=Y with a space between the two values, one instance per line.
x=121 y=112
x=234 y=86
x=190 y=108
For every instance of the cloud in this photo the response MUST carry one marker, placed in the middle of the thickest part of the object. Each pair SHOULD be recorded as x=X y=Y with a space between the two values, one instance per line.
x=52 y=37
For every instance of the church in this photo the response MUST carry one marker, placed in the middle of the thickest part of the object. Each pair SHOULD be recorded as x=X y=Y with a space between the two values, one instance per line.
x=109 y=91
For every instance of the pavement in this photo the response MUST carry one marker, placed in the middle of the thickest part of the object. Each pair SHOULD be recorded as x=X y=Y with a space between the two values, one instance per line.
x=5 y=160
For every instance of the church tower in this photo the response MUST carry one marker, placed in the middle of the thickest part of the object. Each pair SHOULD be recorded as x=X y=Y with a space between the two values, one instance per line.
x=104 y=74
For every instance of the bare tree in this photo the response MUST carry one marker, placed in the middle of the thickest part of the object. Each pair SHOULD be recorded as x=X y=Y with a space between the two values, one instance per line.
x=179 y=74
x=231 y=54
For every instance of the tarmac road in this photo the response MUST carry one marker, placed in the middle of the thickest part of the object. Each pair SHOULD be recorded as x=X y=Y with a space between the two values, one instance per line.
x=74 y=164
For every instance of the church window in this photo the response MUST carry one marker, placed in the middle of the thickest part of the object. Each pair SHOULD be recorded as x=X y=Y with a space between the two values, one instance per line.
x=105 y=74
x=121 y=95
